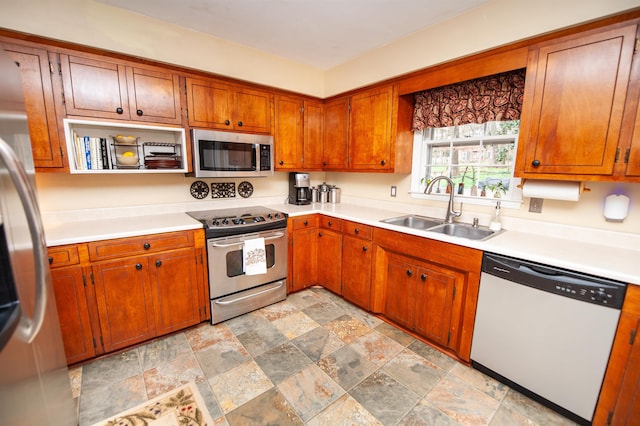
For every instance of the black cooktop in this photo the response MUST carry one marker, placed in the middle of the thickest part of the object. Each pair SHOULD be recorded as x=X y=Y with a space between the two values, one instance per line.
x=240 y=220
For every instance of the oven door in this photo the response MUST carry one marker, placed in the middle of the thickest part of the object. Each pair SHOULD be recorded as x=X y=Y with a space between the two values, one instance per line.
x=226 y=267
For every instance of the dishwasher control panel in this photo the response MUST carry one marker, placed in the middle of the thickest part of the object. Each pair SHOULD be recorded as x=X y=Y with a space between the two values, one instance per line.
x=587 y=288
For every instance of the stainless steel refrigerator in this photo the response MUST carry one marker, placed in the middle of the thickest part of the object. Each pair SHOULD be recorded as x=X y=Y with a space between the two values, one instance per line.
x=34 y=380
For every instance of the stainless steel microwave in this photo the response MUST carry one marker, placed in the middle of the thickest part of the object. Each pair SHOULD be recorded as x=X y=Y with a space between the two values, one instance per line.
x=228 y=154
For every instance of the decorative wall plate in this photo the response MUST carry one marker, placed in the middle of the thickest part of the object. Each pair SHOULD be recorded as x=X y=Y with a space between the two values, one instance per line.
x=245 y=189
x=199 y=189
x=223 y=190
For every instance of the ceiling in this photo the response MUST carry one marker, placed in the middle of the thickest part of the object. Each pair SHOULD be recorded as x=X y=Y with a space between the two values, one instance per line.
x=318 y=33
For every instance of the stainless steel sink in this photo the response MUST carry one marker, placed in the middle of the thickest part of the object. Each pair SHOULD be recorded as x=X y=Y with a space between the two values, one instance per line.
x=414 y=221
x=430 y=224
x=464 y=231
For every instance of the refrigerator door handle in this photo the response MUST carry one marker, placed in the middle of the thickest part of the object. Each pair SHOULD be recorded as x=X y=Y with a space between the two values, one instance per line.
x=29 y=327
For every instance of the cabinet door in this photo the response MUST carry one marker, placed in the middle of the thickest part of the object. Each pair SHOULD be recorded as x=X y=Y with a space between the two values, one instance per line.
x=335 y=144
x=289 y=136
x=73 y=313
x=356 y=271
x=400 y=302
x=94 y=88
x=305 y=258
x=174 y=282
x=124 y=297
x=252 y=110
x=370 y=130
x=628 y=404
x=48 y=151
x=330 y=260
x=434 y=302
x=313 y=135
x=572 y=117
x=154 y=96
x=209 y=104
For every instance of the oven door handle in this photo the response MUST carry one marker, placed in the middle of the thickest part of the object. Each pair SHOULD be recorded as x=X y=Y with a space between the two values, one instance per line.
x=249 y=296
x=242 y=240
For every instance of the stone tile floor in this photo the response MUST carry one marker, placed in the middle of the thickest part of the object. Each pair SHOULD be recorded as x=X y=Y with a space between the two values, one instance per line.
x=313 y=359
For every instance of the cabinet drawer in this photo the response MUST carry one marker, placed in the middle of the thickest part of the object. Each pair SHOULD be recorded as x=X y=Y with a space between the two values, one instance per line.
x=122 y=247
x=331 y=223
x=63 y=256
x=301 y=222
x=357 y=229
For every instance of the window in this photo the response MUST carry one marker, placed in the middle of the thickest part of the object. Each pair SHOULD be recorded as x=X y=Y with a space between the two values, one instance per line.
x=479 y=159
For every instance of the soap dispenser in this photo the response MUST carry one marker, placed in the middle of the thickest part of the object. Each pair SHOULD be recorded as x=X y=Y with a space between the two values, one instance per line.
x=495 y=224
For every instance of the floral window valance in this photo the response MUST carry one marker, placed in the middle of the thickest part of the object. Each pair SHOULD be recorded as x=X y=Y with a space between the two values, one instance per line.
x=494 y=98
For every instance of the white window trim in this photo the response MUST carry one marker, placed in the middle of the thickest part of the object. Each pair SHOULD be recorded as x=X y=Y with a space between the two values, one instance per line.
x=417 y=188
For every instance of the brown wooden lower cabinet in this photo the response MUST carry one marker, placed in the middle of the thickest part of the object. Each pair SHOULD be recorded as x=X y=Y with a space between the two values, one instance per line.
x=110 y=304
x=357 y=255
x=303 y=239
x=619 y=402
x=330 y=260
x=73 y=313
x=428 y=287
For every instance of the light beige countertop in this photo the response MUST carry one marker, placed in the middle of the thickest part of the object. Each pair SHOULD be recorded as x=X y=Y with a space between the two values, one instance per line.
x=601 y=253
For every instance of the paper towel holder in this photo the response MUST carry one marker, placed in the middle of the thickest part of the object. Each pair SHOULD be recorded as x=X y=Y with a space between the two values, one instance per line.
x=583 y=188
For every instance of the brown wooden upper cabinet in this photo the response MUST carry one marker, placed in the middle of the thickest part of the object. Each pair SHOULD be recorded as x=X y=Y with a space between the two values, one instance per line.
x=575 y=98
x=100 y=87
x=335 y=155
x=370 y=142
x=298 y=133
x=213 y=104
x=47 y=147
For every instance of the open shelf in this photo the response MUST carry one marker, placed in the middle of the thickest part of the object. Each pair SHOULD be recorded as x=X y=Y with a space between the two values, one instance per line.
x=93 y=149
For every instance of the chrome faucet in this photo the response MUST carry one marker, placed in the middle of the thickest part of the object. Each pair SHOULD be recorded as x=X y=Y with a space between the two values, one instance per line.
x=451 y=213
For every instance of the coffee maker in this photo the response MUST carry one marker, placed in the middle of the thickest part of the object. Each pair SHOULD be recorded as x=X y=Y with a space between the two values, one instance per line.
x=299 y=188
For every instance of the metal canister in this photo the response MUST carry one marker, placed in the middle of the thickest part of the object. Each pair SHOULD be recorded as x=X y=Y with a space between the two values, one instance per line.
x=323 y=192
x=334 y=194
x=314 y=194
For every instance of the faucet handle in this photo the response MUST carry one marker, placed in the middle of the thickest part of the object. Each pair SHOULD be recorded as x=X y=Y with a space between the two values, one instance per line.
x=475 y=222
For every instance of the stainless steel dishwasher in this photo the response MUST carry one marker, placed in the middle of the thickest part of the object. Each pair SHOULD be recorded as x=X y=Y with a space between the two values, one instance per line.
x=546 y=332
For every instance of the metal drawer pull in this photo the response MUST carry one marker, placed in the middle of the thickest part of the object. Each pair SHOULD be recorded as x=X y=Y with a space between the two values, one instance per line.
x=249 y=296
x=241 y=240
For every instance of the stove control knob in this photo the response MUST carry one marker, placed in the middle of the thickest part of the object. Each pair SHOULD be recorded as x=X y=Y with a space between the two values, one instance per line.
x=225 y=221
x=269 y=216
x=277 y=215
x=215 y=222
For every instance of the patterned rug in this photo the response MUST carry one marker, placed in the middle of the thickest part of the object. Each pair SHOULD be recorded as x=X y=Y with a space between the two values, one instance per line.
x=182 y=406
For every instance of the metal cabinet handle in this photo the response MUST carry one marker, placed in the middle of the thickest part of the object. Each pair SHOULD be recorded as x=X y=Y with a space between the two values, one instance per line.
x=330 y=223
x=305 y=223
x=383 y=162
x=158 y=262
x=357 y=231
x=409 y=272
x=138 y=266
x=240 y=240
x=119 y=110
x=50 y=260
x=146 y=246
x=227 y=122
x=319 y=234
x=281 y=162
x=535 y=163
x=364 y=248
x=423 y=277
x=139 y=112
x=28 y=328
x=240 y=123
x=238 y=299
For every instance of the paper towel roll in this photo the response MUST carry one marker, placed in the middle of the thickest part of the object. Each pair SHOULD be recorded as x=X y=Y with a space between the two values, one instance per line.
x=552 y=190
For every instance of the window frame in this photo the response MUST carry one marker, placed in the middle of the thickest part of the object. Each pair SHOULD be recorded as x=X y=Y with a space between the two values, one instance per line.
x=421 y=146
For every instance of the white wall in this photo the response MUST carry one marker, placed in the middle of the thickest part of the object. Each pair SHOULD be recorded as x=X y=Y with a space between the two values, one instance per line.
x=494 y=23
x=586 y=213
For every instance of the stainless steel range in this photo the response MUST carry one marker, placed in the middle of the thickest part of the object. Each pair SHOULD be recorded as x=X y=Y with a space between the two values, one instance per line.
x=233 y=236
